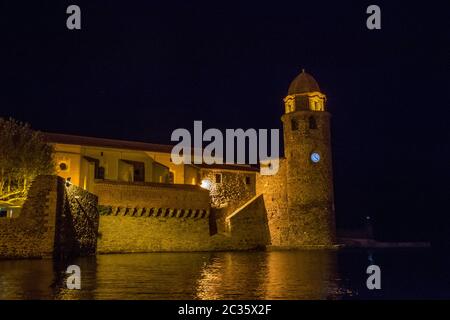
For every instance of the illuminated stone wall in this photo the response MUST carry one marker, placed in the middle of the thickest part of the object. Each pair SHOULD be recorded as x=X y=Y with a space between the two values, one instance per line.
x=299 y=198
x=228 y=195
x=50 y=223
x=246 y=228
x=31 y=235
x=153 y=232
x=151 y=195
x=157 y=218
x=153 y=217
x=274 y=192
x=232 y=191
x=309 y=184
x=157 y=230
x=77 y=227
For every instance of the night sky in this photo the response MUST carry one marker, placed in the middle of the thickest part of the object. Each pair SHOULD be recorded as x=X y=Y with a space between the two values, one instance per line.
x=137 y=70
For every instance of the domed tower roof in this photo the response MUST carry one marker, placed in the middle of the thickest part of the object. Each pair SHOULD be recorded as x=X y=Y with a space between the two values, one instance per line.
x=303 y=83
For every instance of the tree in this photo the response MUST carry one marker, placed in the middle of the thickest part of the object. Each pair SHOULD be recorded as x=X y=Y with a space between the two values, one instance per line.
x=24 y=154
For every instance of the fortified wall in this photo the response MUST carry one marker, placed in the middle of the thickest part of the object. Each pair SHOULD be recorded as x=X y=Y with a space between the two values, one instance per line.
x=150 y=217
x=246 y=228
x=154 y=217
x=62 y=220
x=273 y=188
x=55 y=220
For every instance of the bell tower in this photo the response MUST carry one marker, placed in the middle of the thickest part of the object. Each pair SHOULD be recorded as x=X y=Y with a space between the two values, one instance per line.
x=309 y=178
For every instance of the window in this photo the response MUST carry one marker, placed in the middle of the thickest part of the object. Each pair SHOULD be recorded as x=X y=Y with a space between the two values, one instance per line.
x=100 y=173
x=290 y=106
x=134 y=171
x=139 y=174
x=312 y=123
x=294 y=124
x=248 y=180
x=63 y=166
x=218 y=178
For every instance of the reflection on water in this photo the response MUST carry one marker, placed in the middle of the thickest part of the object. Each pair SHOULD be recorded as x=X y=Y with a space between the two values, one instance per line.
x=313 y=274
x=273 y=275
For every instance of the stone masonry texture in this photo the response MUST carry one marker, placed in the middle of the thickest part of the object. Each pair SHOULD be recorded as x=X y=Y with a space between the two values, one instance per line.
x=49 y=225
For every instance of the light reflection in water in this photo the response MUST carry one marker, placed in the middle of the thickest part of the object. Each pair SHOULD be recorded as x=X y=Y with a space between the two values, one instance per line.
x=270 y=275
x=307 y=274
x=222 y=275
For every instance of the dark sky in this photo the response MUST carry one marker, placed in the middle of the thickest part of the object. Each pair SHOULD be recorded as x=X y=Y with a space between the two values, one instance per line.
x=137 y=70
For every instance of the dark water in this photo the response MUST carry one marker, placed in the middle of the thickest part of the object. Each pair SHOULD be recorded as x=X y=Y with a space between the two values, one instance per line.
x=309 y=274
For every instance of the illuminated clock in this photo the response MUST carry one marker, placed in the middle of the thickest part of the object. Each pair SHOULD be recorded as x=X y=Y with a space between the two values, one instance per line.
x=315 y=157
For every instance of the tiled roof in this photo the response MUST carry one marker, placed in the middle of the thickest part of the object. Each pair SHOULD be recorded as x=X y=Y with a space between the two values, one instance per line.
x=304 y=82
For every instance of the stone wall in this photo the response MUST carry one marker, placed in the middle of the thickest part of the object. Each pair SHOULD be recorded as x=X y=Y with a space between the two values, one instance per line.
x=230 y=194
x=274 y=191
x=158 y=218
x=77 y=226
x=150 y=195
x=32 y=234
x=309 y=184
x=158 y=230
x=50 y=224
x=247 y=228
x=153 y=217
x=153 y=232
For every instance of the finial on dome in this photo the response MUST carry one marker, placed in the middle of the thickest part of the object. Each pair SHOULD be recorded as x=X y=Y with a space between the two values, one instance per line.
x=303 y=70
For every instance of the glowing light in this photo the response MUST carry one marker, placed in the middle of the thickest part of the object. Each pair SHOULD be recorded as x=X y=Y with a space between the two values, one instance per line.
x=206 y=184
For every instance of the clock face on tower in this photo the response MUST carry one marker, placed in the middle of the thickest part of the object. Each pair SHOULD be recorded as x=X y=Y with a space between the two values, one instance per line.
x=315 y=157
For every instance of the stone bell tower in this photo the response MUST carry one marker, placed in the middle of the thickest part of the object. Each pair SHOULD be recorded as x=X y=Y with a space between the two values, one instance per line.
x=309 y=177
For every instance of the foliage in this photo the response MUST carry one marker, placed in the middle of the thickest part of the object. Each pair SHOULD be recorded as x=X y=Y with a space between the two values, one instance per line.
x=23 y=155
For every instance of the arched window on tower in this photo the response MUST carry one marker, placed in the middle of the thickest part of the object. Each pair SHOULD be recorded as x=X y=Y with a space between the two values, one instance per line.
x=312 y=123
x=294 y=124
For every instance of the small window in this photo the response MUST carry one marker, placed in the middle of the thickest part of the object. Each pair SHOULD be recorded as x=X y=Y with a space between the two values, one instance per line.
x=312 y=123
x=218 y=178
x=63 y=166
x=100 y=173
x=248 y=180
x=294 y=124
